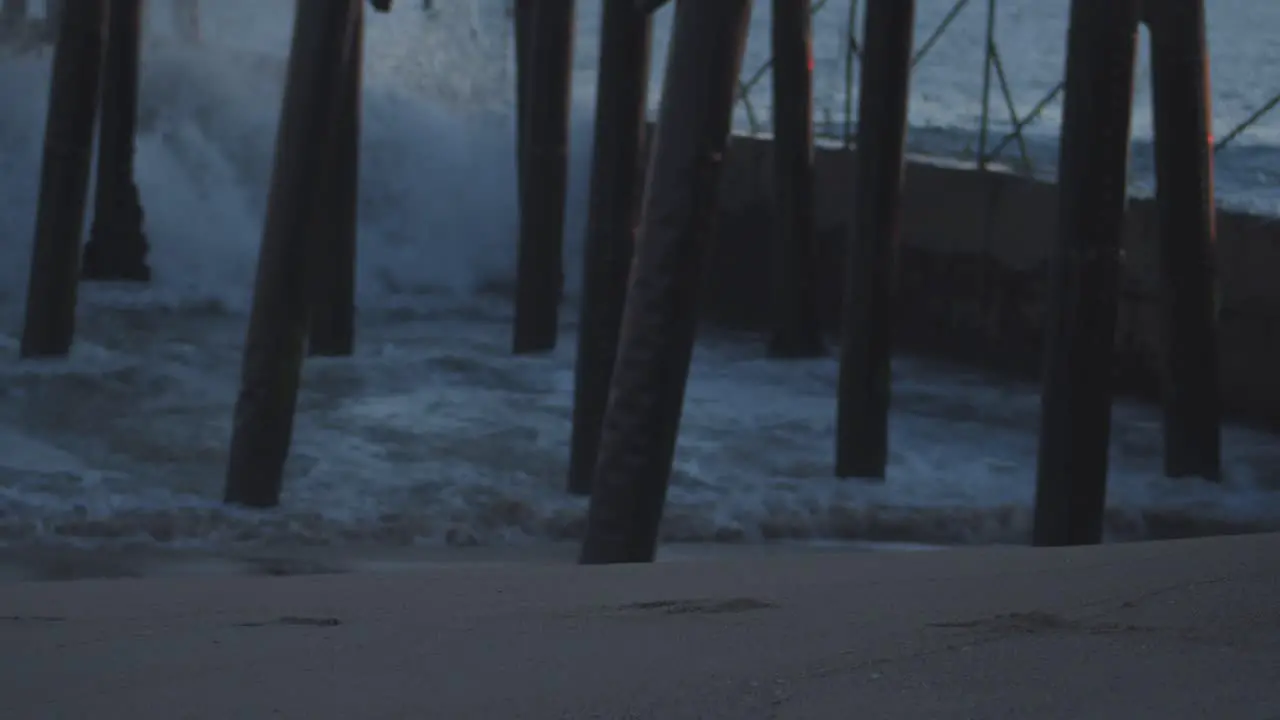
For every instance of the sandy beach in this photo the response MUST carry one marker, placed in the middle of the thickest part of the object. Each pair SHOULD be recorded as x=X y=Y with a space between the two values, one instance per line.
x=1178 y=629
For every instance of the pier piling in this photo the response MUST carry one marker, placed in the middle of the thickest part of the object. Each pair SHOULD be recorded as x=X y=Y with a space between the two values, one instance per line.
x=333 y=312
x=1185 y=207
x=797 y=329
x=638 y=438
x=117 y=247
x=1075 y=425
x=613 y=214
x=545 y=167
x=862 y=422
x=263 y=424
x=49 y=325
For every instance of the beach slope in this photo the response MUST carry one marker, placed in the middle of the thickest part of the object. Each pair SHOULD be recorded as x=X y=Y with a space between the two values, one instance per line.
x=1186 y=629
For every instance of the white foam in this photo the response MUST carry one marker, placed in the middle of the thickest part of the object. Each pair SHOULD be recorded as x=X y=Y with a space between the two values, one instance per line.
x=435 y=435
x=23 y=453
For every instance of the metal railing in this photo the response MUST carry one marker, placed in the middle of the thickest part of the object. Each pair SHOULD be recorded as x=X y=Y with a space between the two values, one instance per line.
x=990 y=145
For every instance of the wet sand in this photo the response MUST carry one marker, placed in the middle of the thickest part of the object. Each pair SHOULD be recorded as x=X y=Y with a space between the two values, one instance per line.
x=54 y=563
x=1180 y=629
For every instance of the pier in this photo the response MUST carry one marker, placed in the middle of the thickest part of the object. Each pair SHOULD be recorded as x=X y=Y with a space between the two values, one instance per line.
x=696 y=448
x=867 y=270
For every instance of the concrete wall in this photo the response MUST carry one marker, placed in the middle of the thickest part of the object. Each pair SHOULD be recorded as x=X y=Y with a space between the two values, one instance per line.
x=973 y=271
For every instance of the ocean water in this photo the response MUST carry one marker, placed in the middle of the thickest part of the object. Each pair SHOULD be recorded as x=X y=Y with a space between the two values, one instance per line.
x=433 y=435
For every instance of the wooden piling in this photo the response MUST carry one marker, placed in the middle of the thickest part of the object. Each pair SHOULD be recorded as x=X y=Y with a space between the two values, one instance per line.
x=621 y=97
x=333 y=312
x=862 y=421
x=117 y=247
x=263 y=424
x=64 y=181
x=638 y=438
x=539 y=268
x=1185 y=207
x=797 y=328
x=1075 y=425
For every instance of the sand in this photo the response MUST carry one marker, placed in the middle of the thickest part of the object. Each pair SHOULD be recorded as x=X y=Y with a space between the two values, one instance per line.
x=1185 y=629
